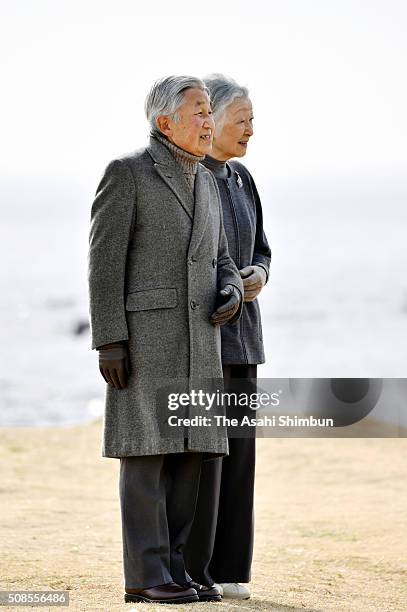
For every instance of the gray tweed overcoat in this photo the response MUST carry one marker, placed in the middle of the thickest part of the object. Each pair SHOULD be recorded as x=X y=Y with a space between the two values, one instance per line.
x=157 y=259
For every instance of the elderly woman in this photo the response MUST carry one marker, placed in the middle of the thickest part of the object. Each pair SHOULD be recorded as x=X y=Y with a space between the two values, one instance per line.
x=220 y=545
x=161 y=282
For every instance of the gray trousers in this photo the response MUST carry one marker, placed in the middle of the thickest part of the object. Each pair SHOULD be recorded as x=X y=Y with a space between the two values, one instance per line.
x=220 y=543
x=158 y=495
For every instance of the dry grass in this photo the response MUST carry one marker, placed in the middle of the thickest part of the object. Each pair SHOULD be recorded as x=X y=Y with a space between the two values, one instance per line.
x=330 y=522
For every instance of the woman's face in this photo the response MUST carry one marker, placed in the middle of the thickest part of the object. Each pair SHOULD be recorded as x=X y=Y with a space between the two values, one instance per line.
x=233 y=130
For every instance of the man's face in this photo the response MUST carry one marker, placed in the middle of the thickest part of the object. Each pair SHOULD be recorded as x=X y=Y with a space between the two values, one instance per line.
x=193 y=131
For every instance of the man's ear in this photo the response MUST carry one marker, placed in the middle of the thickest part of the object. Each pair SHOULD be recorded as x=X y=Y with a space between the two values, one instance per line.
x=164 y=125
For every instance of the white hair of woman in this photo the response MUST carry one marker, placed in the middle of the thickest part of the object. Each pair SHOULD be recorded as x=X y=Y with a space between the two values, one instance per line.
x=222 y=91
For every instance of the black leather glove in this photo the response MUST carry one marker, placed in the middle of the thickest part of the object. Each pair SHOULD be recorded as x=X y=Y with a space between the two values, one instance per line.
x=229 y=298
x=114 y=364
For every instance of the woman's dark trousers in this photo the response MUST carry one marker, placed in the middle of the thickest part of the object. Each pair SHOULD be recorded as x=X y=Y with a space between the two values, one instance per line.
x=220 y=543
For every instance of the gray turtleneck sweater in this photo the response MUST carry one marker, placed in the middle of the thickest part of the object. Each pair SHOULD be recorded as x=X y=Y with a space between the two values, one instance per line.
x=187 y=161
x=218 y=168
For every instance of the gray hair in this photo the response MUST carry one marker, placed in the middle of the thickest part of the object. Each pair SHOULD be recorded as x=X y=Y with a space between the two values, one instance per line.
x=167 y=95
x=222 y=91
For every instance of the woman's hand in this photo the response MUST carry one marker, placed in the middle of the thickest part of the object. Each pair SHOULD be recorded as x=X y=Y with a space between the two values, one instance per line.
x=254 y=279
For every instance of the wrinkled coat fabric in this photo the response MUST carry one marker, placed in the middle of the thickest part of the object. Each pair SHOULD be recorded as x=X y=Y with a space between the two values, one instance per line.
x=157 y=258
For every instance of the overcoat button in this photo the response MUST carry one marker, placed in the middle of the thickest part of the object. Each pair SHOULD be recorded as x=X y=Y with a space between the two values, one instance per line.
x=214 y=262
x=193 y=258
x=194 y=304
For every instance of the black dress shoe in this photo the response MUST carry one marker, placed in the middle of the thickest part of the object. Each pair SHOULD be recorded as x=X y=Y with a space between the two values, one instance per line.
x=171 y=593
x=205 y=593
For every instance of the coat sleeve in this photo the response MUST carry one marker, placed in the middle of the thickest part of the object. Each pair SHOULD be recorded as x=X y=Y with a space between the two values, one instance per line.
x=228 y=274
x=262 y=252
x=112 y=221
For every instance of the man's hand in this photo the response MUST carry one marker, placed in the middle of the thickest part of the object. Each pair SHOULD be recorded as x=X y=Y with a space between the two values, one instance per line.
x=254 y=279
x=114 y=364
x=230 y=298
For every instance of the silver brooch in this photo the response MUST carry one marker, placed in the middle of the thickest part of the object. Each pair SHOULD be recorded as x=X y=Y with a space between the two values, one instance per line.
x=239 y=180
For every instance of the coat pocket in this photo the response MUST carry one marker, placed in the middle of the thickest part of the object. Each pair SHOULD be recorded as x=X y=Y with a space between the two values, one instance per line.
x=151 y=299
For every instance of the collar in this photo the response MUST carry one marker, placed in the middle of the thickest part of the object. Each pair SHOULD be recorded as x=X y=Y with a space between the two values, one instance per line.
x=220 y=169
x=187 y=161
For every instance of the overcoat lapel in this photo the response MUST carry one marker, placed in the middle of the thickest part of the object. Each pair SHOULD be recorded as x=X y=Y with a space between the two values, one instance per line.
x=201 y=208
x=171 y=173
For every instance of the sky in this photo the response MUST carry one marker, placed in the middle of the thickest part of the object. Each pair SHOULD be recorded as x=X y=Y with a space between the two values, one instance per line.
x=327 y=81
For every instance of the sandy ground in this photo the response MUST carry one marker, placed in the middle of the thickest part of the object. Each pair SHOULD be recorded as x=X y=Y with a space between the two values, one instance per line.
x=331 y=517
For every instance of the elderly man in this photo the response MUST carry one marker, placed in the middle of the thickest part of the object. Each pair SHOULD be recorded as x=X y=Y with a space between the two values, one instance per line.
x=161 y=282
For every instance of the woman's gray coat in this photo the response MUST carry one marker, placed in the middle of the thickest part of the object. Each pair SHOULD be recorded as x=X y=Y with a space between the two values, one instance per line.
x=157 y=260
x=248 y=246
